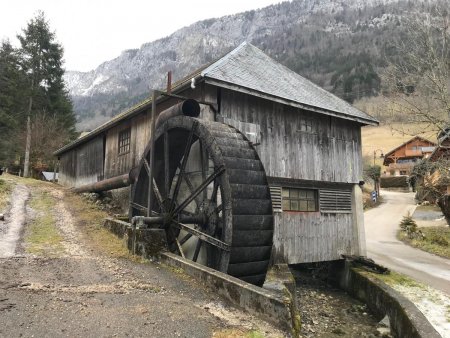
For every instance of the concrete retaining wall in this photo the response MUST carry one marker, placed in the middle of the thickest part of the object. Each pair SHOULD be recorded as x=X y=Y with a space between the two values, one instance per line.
x=277 y=308
x=263 y=303
x=405 y=318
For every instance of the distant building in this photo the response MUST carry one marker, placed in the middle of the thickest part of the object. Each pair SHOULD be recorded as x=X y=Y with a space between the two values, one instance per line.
x=48 y=176
x=401 y=160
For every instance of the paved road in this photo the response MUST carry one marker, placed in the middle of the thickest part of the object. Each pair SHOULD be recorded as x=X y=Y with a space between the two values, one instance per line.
x=381 y=225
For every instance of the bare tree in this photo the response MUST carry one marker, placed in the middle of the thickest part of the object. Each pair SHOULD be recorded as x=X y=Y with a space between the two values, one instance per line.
x=417 y=80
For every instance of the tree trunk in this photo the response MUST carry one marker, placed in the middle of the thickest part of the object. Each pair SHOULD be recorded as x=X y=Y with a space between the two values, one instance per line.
x=26 y=164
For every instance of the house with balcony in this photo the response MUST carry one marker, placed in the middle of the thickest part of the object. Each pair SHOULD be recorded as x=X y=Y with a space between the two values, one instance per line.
x=400 y=160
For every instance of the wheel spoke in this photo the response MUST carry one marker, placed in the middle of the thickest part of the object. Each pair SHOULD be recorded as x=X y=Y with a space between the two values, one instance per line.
x=179 y=248
x=139 y=207
x=147 y=167
x=204 y=164
x=188 y=181
x=158 y=196
x=185 y=239
x=202 y=236
x=149 y=198
x=214 y=192
x=197 y=250
x=166 y=165
x=199 y=189
x=183 y=165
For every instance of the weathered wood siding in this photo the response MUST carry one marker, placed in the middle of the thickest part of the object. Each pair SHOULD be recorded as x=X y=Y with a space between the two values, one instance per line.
x=313 y=237
x=330 y=151
x=83 y=164
x=304 y=146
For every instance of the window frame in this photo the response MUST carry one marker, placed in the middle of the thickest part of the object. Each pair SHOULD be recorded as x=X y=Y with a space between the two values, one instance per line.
x=295 y=196
x=124 y=141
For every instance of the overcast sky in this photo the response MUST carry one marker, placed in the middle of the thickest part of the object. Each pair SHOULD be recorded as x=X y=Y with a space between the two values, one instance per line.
x=94 y=31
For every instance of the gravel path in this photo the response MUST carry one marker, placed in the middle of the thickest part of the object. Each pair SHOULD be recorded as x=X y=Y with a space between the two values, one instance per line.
x=82 y=292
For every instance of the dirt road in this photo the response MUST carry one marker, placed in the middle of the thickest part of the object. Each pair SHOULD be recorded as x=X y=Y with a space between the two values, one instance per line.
x=381 y=225
x=67 y=287
x=11 y=228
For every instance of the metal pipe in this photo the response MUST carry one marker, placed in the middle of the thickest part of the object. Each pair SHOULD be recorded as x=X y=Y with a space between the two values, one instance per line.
x=105 y=185
x=188 y=107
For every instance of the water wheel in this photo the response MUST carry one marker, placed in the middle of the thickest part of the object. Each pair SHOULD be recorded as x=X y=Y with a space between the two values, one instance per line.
x=210 y=194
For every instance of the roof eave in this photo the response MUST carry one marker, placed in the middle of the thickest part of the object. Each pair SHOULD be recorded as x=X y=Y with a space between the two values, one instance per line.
x=137 y=109
x=282 y=100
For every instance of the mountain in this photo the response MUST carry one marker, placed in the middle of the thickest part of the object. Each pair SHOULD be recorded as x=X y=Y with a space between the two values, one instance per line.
x=338 y=44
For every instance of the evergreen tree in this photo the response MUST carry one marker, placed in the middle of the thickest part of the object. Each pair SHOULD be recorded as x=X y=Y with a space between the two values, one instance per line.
x=48 y=99
x=12 y=82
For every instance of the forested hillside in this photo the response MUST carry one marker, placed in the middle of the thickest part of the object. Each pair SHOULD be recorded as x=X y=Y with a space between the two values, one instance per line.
x=340 y=45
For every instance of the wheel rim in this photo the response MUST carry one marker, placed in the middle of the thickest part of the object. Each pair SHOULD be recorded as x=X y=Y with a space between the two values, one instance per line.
x=190 y=161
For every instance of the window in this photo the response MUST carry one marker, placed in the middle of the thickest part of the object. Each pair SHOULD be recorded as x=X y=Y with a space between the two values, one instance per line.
x=299 y=199
x=124 y=141
x=306 y=125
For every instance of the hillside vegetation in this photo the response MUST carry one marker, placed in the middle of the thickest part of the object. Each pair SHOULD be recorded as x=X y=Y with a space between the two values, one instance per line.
x=342 y=46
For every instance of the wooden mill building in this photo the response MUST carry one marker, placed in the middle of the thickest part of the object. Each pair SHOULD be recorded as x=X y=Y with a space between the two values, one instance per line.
x=308 y=140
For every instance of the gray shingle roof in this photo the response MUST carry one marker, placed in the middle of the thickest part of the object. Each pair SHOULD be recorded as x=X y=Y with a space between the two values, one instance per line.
x=248 y=66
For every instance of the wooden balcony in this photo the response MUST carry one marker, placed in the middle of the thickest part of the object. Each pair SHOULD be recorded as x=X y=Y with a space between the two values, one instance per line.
x=402 y=166
x=413 y=153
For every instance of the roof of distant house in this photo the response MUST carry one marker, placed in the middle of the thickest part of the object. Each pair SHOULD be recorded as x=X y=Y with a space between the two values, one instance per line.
x=48 y=175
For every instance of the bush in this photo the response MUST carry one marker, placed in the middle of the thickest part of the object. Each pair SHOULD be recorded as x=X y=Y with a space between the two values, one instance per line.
x=394 y=182
x=409 y=226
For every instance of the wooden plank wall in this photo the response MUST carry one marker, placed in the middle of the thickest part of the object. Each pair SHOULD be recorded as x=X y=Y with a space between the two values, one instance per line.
x=68 y=168
x=313 y=237
x=90 y=162
x=82 y=165
x=331 y=151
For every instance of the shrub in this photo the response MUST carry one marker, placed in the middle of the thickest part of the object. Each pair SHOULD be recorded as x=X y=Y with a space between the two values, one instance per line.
x=409 y=226
x=394 y=182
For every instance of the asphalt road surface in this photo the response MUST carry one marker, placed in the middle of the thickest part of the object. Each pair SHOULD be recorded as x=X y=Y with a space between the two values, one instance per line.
x=381 y=225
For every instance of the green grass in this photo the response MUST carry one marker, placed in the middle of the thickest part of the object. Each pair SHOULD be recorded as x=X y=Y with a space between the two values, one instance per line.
x=238 y=333
x=90 y=219
x=5 y=192
x=42 y=237
x=393 y=278
x=437 y=240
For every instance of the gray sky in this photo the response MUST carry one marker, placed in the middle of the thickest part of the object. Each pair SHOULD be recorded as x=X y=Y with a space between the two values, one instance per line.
x=94 y=31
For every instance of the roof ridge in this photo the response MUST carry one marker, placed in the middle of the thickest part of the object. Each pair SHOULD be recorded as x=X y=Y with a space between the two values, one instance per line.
x=224 y=58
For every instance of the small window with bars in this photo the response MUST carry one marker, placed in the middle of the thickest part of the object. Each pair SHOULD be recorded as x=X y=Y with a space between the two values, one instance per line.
x=294 y=199
x=124 y=141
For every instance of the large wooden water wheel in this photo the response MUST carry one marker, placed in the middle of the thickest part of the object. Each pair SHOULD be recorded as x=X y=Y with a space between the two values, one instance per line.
x=210 y=194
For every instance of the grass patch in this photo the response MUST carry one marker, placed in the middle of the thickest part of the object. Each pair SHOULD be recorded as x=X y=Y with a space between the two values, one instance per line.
x=42 y=237
x=237 y=333
x=430 y=207
x=436 y=241
x=395 y=278
x=5 y=192
x=89 y=218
